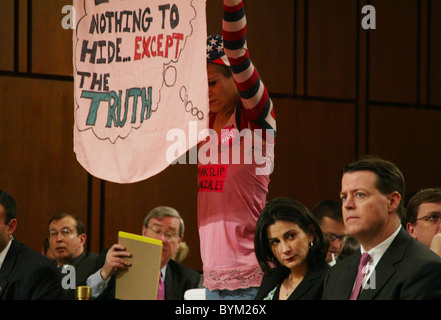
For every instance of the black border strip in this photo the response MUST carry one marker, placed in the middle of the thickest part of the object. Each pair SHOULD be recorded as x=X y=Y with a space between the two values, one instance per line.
x=29 y=39
x=303 y=97
x=16 y=34
x=89 y=211
x=102 y=213
x=418 y=55
x=295 y=48
x=429 y=56
x=41 y=76
x=305 y=49
x=357 y=82
x=404 y=105
x=368 y=79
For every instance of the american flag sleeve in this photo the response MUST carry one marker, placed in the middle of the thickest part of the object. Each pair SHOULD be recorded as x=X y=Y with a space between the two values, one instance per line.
x=257 y=105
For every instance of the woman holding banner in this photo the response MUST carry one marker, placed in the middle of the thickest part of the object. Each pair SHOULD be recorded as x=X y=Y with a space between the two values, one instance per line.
x=232 y=187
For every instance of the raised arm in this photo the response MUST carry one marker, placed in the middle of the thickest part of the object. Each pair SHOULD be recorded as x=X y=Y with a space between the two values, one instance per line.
x=258 y=107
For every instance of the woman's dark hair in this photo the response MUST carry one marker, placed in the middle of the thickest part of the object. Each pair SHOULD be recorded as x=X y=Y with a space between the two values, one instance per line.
x=287 y=209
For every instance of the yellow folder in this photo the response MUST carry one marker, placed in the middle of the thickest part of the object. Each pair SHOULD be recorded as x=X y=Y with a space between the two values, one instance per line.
x=140 y=281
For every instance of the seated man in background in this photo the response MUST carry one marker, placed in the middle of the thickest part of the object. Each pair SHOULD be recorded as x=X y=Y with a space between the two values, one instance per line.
x=162 y=223
x=329 y=215
x=423 y=217
x=25 y=274
x=67 y=237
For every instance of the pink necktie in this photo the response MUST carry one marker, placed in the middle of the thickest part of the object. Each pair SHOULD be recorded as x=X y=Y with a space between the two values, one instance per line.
x=365 y=258
x=160 y=289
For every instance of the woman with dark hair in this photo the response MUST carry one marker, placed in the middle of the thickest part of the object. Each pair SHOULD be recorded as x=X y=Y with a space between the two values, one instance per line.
x=291 y=251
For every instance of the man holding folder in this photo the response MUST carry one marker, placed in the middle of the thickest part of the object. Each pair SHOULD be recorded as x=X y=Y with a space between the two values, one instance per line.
x=162 y=223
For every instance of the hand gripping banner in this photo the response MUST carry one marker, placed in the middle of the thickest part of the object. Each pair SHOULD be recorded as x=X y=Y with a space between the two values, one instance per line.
x=139 y=72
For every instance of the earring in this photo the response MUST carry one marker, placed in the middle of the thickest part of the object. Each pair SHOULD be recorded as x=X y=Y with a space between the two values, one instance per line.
x=311 y=244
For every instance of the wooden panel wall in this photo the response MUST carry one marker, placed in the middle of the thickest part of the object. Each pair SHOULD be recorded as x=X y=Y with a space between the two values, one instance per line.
x=339 y=92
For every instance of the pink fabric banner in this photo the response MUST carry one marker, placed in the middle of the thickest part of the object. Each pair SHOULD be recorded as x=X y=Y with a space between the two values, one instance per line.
x=139 y=72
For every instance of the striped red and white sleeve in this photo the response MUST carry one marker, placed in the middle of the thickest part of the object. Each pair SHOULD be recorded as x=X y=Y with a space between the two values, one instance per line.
x=257 y=110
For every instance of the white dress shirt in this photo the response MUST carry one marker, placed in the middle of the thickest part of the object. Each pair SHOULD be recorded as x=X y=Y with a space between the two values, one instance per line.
x=4 y=253
x=376 y=253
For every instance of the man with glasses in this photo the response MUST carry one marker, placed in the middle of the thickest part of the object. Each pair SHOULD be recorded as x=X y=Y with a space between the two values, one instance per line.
x=329 y=215
x=162 y=223
x=423 y=217
x=67 y=238
x=24 y=273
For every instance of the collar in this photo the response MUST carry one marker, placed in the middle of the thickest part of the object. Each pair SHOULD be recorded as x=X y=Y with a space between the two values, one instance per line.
x=5 y=252
x=163 y=272
x=377 y=252
x=78 y=259
x=74 y=262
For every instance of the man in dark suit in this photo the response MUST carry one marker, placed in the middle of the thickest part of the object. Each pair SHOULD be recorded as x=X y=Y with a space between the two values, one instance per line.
x=24 y=273
x=398 y=267
x=163 y=223
x=67 y=237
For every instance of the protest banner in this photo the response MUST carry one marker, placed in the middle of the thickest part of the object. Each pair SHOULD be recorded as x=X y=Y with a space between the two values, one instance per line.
x=139 y=71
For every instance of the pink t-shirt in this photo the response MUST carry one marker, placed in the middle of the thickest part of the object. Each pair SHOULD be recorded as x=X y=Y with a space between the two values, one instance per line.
x=233 y=178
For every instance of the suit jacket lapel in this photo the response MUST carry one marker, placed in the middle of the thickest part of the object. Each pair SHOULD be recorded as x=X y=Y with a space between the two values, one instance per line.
x=303 y=287
x=385 y=267
x=348 y=278
x=171 y=283
x=7 y=267
x=306 y=284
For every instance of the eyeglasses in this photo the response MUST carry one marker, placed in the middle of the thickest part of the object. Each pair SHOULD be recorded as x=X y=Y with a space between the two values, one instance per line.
x=433 y=218
x=332 y=237
x=65 y=232
x=168 y=236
